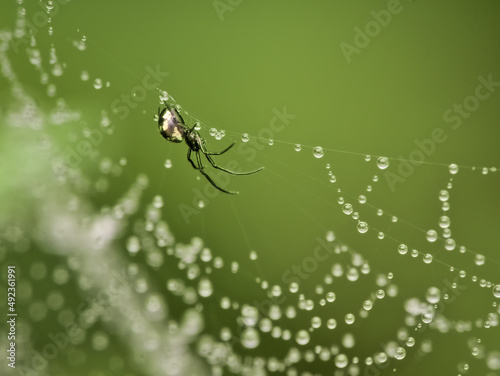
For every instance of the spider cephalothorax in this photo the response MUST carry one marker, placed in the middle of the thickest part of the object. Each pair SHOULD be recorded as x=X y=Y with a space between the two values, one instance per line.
x=172 y=127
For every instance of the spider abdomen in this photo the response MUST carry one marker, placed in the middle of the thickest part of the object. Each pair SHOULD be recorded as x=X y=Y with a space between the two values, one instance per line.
x=170 y=126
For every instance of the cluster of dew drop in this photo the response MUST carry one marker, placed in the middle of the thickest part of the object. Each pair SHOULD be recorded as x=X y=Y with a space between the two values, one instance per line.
x=189 y=273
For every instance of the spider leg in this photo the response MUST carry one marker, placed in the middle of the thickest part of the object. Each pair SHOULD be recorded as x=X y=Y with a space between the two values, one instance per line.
x=198 y=158
x=215 y=165
x=220 y=153
x=190 y=160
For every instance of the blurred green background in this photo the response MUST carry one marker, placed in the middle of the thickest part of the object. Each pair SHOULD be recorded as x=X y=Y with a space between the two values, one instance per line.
x=230 y=65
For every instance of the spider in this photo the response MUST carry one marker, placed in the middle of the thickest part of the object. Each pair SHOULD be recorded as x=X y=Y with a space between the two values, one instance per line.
x=172 y=127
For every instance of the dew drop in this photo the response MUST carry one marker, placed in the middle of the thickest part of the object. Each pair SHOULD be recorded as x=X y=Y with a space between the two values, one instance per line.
x=205 y=287
x=270 y=142
x=341 y=361
x=168 y=163
x=302 y=337
x=347 y=209
x=212 y=132
x=427 y=258
x=245 y=137
x=250 y=338
x=496 y=291
x=331 y=324
x=403 y=249
x=298 y=147
x=433 y=295
x=133 y=244
x=479 y=259
x=453 y=169
x=157 y=201
x=349 y=319
x=97 y=83
x=444 y=221
x=449 y=244
x=444 y=195
x=362 y=227
x=432 y=236
x=400 y=353
x=318 y=152
x=383 y=163
x=330 y=297
x=330 y=236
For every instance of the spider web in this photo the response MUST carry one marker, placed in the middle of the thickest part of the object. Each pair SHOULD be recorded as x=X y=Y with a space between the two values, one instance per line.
x=329 y=262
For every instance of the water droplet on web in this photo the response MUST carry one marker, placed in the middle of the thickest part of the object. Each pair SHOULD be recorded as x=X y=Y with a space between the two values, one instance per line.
x=444 y=221
x=250 y=338
x=403 y=249
x=479 y=259
x=433 y=295
x=449 y=244
x=347 y=209
x=331 y=324
x=201 y=204
x=444 y=195
x=84 y=76
x=427 y=258
x=157 y=201
x=496 y=291
x=453 y=168
x=205 y=287
x=270 y=142
x=294 y=287
x=212 y=132
x=349 y=319
x=362 y=227
x=341 y=361
x=383 y=163
x=133 y=244
x=218 y=136
x=318 y=152
x=362 y=199
x=97 y=83
x=330 y=236
x=432 y=236
x=400 y=353
x=302 y=337
x=245 y=137
x=253 y=255
x=298 y=147
x=168 y=163
x=330 y=297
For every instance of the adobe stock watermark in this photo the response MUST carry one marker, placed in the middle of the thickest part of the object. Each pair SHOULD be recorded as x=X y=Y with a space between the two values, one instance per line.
x=37 y=361
x=249 y=150
x=451 y=289
x=455 y=116
x=121 y=107
x=39 y=20
x=224 y=6
x=371 y=30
